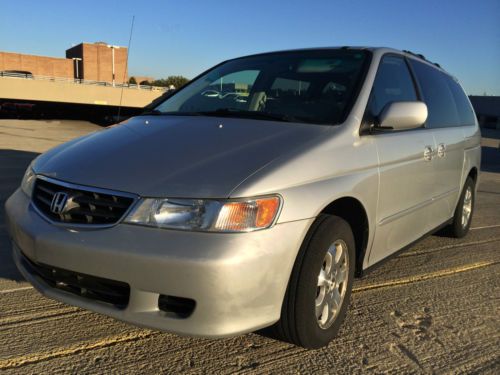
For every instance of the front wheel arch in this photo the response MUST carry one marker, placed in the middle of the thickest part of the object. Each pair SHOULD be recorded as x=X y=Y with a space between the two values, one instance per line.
x=352 y=210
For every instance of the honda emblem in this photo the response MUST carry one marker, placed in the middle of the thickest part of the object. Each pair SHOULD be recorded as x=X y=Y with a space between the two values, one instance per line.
x=58 y=202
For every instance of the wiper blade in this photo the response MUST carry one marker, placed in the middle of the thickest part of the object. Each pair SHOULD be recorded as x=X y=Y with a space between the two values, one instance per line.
x=229 y=112
x=156 y=112
x=235 y=112
x=153 y=112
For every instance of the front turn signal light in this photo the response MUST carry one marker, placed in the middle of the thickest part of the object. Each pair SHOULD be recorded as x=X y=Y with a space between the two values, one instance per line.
x=248 y=215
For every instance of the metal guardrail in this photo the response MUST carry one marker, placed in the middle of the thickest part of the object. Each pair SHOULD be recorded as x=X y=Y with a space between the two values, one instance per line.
x=81 y=81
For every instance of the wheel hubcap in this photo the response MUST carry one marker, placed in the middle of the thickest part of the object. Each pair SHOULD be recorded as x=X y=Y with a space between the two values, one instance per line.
x=467 y=207
x=332 y=284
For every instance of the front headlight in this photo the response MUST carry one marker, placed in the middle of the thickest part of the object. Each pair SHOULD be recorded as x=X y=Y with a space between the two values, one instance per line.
x=207 y=215
x=28 y=181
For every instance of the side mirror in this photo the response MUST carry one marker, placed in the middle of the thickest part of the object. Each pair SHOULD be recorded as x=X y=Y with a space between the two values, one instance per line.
x=403 y=115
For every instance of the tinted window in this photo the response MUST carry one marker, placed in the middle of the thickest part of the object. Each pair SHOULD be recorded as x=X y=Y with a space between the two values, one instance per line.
x=437 y=95
x=283 y=87
x=239 y=82
x=316 y=86
x=393 y=83
x=464 y=108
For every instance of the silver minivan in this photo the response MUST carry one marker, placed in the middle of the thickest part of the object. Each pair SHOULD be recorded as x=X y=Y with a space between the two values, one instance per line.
x=253 y=196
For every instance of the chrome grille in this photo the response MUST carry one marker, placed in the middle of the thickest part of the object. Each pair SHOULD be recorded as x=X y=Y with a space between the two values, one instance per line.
x=82 y=206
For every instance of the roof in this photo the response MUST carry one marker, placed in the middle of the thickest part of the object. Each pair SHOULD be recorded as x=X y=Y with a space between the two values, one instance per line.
x=374 y=50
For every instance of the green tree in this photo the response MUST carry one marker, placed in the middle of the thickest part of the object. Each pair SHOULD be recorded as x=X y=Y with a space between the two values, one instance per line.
x=177 y=81
x=132 y=81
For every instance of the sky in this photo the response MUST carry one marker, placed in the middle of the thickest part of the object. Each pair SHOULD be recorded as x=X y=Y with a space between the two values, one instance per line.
x=187 y=37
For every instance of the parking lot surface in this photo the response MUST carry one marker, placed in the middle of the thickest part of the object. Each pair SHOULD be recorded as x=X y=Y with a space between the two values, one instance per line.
x=434 y=308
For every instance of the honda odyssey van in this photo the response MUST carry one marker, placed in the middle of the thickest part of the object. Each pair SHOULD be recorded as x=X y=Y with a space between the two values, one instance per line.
x=253 y=196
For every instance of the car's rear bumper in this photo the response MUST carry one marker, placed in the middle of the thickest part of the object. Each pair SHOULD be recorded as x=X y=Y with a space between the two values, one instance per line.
x=238 y=281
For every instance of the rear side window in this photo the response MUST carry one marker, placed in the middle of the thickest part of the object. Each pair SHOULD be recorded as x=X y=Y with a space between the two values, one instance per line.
x=393 y=83
x=438 y=96
x=464 y=108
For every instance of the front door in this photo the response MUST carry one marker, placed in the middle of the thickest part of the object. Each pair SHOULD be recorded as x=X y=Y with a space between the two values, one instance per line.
x=406 y=188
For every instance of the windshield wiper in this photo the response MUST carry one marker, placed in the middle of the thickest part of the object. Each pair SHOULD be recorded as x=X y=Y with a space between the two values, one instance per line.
x=152 y=112
x=230 y=112
x=156 y=112
x=235 y=112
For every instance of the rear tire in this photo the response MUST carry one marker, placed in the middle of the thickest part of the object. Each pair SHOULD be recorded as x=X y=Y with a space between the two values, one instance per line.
x=464 y=210
x=319 y=289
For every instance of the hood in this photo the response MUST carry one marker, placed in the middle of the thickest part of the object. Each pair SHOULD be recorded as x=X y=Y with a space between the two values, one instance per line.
x=174 y=156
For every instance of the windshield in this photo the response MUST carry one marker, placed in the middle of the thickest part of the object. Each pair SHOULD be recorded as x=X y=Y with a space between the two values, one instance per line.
x=312 y=86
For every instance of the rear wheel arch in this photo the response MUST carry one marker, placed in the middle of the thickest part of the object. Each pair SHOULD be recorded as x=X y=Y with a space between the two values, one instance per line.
x=473 y=173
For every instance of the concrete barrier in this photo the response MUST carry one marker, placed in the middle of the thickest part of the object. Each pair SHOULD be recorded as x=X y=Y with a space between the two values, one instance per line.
x=66 y=92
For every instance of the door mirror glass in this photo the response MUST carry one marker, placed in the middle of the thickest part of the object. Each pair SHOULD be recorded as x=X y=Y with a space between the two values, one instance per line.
x=403 y=115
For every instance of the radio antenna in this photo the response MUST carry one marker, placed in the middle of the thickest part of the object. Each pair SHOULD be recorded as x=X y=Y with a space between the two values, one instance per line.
x=126 y=67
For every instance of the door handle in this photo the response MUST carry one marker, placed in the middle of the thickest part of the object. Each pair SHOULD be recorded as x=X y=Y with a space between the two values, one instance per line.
x=428 y=153
x=441 y=150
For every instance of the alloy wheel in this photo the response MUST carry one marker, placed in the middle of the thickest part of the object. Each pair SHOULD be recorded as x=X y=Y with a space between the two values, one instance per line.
x=332 y=284
x=467 y=207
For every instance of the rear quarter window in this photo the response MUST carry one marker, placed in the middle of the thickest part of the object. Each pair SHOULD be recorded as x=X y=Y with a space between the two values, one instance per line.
x=464 y=108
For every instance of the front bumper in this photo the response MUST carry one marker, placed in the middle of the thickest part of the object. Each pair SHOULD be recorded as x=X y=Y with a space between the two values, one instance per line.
x=238 y=280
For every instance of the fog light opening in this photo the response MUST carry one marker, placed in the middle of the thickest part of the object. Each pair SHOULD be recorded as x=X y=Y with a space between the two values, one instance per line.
x=176 y=306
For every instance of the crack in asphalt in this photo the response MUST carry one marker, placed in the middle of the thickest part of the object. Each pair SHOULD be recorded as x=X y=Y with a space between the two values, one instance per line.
x=446 y=247
x=16 y=362
x=423 y=277
x=7 y=291
x=36 y=316
x=486 y=227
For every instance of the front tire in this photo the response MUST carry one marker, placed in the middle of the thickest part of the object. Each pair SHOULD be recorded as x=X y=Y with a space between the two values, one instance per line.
x=320 y=286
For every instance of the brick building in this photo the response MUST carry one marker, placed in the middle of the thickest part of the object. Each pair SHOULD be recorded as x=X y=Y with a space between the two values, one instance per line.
x=89 y=61
x=97 y=61
x=36 y=65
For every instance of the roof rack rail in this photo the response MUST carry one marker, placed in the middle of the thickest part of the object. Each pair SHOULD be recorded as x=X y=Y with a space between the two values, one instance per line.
x=415 y=54
x=422 y=57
